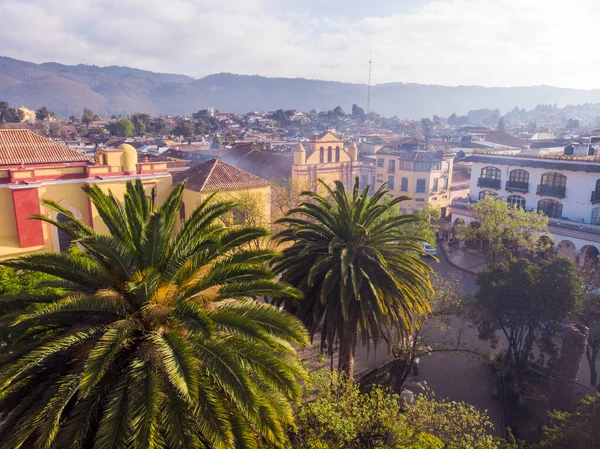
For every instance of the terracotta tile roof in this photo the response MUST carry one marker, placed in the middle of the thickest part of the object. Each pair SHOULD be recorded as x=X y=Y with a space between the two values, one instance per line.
x=23 y=146
x=218 y=175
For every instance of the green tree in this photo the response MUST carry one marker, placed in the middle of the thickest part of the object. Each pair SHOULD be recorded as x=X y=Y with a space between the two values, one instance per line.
x=357 y=111
x=574 y=430
x=453 y=119
x=185 y=129
x=88 y=117
x=10 y=115
x=338 y=111
x=122 y=128
x=336 y=415
x=43 y=114
x=216 y=143
x=140 y=121
x=427 y=130
x=360 y=272
x=501 y=125
x=503 y=231
x=526 y=302
x=589 y=316
x=156 y=344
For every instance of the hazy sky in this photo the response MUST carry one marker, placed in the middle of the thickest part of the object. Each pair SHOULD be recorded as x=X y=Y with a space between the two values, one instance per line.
x=451 y=42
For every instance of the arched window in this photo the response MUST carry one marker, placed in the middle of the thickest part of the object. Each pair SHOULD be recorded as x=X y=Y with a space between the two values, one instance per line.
x=485 y=193
x=553 y=184
x=64 y=239
x=518 y=180
x=551 y=208
x=596 y=215
x=329 y=154
x=322 y=155
x=337 y=154
x=490 y=177
x=516 y=200
x=490 y=173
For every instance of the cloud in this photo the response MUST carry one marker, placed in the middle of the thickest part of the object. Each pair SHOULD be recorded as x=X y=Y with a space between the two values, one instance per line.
x=486 y=42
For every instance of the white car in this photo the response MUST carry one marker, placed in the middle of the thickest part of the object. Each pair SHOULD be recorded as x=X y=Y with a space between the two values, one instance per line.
x=429 y=249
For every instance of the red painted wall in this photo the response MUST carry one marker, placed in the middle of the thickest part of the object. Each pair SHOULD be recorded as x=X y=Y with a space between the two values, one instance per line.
x=27 y=203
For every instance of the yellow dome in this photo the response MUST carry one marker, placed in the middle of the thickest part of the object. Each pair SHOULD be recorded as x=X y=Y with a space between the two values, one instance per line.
x=129 y=158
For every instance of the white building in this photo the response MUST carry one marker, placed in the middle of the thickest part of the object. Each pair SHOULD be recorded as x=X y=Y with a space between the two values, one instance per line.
x=566 y=189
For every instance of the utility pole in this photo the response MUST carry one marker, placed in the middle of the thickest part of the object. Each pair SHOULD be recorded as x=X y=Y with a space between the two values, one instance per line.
x=369 y=86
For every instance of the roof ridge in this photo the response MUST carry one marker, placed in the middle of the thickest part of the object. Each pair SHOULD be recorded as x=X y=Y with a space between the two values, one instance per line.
x=215 y=161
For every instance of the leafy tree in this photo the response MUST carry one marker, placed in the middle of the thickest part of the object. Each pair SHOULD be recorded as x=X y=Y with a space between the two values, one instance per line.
x=359 y=270
x=452 y=120
x=43 y=114
x=574 y=430
x=88 y=117
x=357 y=111
x=589 y=316
x=503 y=230
x=427 y=130
x=185 y=129
x=10 y=115
x=73 y=119
x=155 y=344
x=501 y=125
x=122 y=128
x=526 y=302
x=336 y=415
x=216 y=143
x=436 y=120
x=338 y=111
x=140 y=121
x=572 y=123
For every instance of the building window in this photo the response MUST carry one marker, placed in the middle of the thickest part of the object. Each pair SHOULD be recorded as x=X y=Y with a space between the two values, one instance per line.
x=553 y=184
x=329 y=154
x=516 y=201
x=435 y=185
x=551 y=208
x=322 y=155
x=596 y=215
x=391 y=166
x=380 y=162
x=390 y=184
x=404 y=185
x=420 y=200
x=434 y=198
x=490 y=173
x=519 y=176
x=485 y=193
x=445 y=183
x=337 y=154
x=403 y=210
x=421 y=185
x=182 y=211
x=446 y=166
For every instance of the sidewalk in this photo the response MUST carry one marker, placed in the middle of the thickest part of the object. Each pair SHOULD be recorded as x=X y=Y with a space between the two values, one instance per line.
x=466 y=260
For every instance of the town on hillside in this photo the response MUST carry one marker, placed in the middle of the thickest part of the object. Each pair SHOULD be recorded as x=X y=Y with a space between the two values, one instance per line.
x=300 y=279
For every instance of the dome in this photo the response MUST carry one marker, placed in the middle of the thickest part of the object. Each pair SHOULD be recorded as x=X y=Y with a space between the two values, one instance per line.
x=129 y=158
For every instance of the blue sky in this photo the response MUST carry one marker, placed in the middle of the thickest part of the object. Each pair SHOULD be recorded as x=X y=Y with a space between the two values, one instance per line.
x=449 y=42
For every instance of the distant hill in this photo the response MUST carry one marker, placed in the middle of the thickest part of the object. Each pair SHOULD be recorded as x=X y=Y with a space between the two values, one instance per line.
x=122 y=90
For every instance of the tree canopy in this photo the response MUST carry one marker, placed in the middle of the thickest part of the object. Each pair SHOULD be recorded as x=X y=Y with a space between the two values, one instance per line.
x=156 y=342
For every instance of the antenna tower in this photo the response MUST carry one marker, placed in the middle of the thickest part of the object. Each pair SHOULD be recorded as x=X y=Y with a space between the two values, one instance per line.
x=369 y=86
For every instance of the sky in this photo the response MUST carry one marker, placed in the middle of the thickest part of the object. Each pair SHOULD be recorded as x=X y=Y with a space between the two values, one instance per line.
x=448 y=42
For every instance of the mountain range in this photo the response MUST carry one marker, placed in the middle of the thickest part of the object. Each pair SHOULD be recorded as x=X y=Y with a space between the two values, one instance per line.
x=67 y=89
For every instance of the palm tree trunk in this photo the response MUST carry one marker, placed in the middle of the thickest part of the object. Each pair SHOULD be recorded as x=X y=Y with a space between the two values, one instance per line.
x=346 y=354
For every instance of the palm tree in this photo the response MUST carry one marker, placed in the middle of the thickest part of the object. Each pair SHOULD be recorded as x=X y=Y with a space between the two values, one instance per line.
x=361 y=274
x=157 y=344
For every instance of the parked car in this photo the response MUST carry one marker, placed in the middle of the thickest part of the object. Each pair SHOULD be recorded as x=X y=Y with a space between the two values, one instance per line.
x=429 y=249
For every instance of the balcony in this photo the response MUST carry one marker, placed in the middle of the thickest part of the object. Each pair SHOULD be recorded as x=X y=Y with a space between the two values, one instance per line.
x=548 y=190
x=489 y=183
x=595 y=197
x=515 y=186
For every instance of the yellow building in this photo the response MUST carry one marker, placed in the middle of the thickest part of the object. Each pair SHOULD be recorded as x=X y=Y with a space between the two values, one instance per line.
x=250 y=191
x=33 y=168
x=422 y=175
x=324 y=157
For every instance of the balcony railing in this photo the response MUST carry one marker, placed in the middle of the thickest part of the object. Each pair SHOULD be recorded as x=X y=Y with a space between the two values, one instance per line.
x=555 y=191
x=487 y=182
x=595 y=196
x=516 y=186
